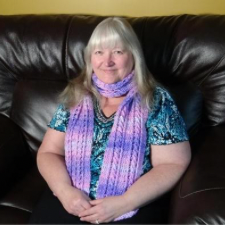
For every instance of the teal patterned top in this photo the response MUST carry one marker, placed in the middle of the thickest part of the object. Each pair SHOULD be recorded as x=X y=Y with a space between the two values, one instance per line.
x=164 y=126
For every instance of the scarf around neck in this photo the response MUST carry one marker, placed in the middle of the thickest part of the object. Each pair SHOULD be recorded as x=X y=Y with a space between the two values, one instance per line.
x=114 y=90
x=124 y=153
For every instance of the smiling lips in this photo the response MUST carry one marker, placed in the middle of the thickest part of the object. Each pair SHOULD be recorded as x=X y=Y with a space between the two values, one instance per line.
x=108 y=71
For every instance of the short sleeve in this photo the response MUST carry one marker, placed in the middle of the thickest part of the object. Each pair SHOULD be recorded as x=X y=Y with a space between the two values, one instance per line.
x=60 y=119
x=165 y=124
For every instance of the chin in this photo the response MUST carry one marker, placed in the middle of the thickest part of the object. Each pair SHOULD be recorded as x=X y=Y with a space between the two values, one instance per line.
x=109 y=81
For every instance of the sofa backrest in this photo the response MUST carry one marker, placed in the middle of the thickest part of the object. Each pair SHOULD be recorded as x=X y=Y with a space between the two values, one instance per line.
x=40 y=53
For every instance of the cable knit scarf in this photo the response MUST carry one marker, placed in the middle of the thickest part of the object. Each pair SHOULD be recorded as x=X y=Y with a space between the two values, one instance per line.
x=124 y=153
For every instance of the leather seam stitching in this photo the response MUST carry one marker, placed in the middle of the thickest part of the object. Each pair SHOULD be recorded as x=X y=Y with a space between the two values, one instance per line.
x=199 y=191
x=12 y=206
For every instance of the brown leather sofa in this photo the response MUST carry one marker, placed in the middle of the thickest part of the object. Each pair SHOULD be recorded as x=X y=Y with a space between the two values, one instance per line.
x=40 y=53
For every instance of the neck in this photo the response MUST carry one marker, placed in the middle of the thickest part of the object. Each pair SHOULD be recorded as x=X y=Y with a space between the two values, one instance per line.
x=105 y=101
x=115 y=90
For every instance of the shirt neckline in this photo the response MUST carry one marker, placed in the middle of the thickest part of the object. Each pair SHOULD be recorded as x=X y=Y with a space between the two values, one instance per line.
x=100 y=114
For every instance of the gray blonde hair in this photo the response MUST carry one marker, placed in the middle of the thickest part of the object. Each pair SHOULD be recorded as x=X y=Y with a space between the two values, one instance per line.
x=109 y=33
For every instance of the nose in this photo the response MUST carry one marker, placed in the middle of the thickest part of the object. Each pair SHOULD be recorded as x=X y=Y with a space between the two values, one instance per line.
x=109 y=60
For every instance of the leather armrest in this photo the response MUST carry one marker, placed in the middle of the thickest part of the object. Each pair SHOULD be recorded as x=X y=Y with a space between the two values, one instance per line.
x=200 y=196
x=24 y=194
x=15 y=157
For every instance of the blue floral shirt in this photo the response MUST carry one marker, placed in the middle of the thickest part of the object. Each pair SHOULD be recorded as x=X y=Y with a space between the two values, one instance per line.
x=164 y=126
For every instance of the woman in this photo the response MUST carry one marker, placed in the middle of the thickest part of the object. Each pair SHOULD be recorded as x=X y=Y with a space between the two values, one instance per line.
x=116 y=143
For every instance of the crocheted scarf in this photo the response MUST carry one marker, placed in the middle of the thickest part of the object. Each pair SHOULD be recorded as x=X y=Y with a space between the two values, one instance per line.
x=124 y=153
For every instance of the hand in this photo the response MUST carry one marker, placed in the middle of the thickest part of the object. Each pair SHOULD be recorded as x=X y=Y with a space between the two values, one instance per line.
x=104 y=210
x=74 y=201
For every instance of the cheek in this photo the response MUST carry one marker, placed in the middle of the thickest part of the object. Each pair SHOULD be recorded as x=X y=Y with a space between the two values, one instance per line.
x=95 y=62
x=128 y=63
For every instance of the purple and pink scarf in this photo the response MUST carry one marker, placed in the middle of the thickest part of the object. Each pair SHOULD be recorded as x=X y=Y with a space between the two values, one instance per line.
x=124 y=154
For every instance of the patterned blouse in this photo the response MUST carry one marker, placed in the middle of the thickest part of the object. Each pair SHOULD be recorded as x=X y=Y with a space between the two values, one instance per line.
x=164 y=126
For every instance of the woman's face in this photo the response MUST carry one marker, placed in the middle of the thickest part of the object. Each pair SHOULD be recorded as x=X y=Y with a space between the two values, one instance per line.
x=111 y=64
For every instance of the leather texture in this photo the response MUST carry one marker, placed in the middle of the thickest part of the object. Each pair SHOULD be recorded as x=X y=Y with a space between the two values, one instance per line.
x=39 y=54
x=15 y=158
x=203 y=187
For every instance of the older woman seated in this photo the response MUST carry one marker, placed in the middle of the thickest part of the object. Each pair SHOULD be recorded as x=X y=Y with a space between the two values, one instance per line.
x=116 y=142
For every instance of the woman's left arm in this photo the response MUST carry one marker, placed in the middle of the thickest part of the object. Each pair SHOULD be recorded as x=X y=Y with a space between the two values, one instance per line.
x=169 y=163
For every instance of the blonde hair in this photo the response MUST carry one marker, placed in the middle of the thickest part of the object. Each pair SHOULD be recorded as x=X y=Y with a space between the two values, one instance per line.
x=109 y=33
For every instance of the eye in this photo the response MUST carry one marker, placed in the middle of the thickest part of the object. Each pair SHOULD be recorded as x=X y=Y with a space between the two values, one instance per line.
x=118 y=52
x=98 y=52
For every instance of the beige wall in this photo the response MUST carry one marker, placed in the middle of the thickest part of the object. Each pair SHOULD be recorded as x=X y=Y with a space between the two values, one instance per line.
x=113 y=7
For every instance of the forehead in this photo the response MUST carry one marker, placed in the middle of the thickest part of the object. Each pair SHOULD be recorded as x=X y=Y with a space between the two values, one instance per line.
x=110 y=40
x=108 y=46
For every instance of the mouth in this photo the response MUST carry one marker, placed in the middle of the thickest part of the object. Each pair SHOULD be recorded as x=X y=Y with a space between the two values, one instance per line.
x=109 y=71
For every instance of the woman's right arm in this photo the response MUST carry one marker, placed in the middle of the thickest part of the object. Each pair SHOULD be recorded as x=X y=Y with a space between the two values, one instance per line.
x=51 y=164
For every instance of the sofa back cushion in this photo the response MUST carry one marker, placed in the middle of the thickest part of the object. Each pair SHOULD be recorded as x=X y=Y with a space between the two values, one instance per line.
x=40 y=53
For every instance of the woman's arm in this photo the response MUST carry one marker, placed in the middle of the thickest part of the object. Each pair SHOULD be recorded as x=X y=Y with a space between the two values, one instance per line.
x=50 y=160
x=51 y=164
x=169 y=163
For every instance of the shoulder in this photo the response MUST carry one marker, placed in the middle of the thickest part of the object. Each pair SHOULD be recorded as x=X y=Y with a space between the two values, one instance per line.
x=61 y=113
x=165 y=124
x=162 y=98
x=161 y=93
x=62 y=110
x=60 y=118
x=164 y=109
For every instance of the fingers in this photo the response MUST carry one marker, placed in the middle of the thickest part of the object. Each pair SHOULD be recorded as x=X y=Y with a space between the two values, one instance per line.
x=99 y=212
x=82 y=206
x=77 y=206
x=89 y=215
x=91 y=219
x=92 y=215
x=96 y=219
x=86 y=205
x=88 y=212
x=96 y=202
x=75 y=209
